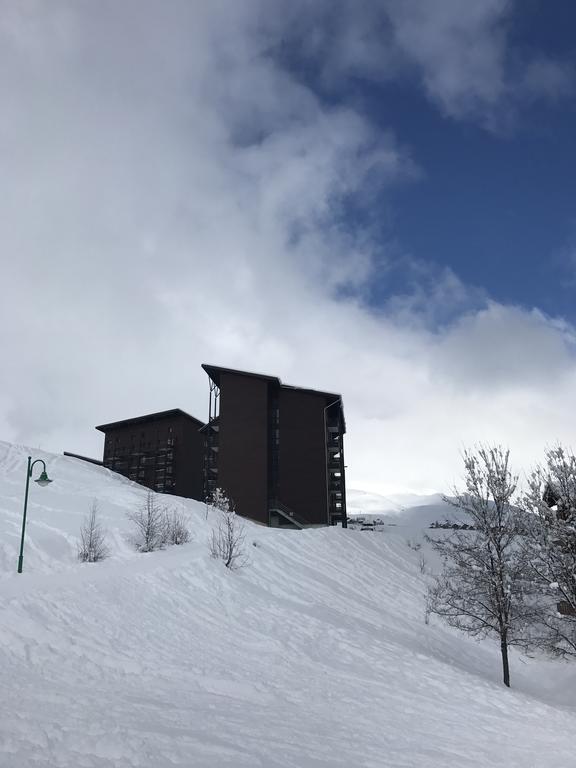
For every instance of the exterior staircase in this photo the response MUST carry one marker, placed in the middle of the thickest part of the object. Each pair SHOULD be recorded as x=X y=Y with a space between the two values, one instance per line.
x=276 y=506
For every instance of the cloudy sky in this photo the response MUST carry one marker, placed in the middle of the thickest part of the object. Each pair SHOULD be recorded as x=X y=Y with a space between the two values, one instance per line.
x=370 y=197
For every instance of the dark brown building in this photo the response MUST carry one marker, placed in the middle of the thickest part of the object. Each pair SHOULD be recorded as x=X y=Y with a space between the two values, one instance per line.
x=277 y=451
x=162 y=451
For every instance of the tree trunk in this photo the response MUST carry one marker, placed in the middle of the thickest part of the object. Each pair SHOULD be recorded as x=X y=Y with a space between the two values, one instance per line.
x=504 y=652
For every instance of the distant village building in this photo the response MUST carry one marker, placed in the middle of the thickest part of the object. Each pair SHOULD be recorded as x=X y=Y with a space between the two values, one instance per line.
x=276 y=450
x=163 y=451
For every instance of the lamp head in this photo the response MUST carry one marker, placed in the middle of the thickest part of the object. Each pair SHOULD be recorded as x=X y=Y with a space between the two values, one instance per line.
x=43 y=479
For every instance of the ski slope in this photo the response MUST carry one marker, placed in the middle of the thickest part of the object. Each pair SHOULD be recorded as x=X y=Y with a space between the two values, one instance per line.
x=316 y=654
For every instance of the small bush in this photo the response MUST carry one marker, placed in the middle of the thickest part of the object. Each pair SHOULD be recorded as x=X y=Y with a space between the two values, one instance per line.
x=177 y=531
x=92 y=546
x=228 y=538
x=149 y=530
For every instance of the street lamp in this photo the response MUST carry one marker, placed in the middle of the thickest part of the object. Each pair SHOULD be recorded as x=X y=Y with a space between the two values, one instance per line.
x=42 y=480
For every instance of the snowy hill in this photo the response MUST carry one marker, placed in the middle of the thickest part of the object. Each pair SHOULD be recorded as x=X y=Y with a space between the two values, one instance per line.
x=407 y=511
x=316 y=654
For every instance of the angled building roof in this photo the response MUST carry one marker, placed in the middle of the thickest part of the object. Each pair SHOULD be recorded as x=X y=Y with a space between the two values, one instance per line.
x=214 y=372
x=174 y=412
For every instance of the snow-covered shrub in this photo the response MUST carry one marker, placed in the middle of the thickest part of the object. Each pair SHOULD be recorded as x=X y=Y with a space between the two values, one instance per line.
x=92 y=546
x=149 y=529
x=227 y=539
x=177 y=531
x=219 y=500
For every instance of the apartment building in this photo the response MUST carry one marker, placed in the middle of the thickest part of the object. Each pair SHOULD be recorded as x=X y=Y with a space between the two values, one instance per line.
x=163 y=451
x=277 y=450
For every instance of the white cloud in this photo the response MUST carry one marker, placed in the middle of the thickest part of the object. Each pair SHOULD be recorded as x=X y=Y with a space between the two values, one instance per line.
x=546 y=77
x=501 y=347
x=462 y=53
x=172 y=195
x=459 y=49
x=466 y=62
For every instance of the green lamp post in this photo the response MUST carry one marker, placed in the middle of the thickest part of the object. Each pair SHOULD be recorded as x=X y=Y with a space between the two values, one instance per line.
x=42 y=480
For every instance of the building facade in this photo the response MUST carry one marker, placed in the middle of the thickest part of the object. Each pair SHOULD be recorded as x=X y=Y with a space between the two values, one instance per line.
x=276 y=450
x=163 y=451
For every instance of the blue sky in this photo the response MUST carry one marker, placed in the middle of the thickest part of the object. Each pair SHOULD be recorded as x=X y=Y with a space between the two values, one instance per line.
x=495 y=204
x=498 y=210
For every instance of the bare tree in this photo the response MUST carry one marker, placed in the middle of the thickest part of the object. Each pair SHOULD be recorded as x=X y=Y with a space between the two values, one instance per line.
x=149 y=525
x=481 y=590
x=177 y=531
x=550 y=548
x=227 y=540
x=92 y=546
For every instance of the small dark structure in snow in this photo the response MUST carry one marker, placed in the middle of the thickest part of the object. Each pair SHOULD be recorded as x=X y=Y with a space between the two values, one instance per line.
x=564 y=608
x=83 y=458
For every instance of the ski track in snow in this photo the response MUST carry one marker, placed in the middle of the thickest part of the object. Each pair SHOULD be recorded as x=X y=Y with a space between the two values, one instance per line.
x=316 y=654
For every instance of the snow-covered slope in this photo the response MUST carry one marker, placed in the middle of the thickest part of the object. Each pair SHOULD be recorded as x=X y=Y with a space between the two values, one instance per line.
x=316 y=654
x=406 y=511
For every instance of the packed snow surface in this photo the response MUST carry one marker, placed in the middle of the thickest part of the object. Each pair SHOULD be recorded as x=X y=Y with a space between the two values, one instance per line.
x=315 y=654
